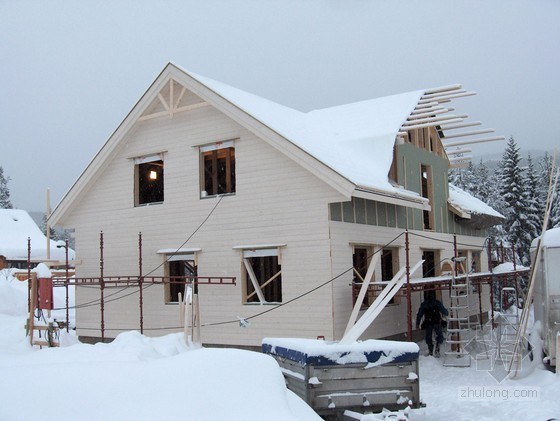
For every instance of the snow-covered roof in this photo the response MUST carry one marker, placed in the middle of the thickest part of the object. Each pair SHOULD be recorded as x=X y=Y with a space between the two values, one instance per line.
x=355 y=140
x=15 y=227
x=551 y=238
x=469 y=204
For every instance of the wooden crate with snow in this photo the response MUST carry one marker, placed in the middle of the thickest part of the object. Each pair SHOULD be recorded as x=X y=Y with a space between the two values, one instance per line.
x=331 y=377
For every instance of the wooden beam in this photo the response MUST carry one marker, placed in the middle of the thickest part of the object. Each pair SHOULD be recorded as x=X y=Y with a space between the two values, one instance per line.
x=429 y=113
x=470 y=141
x=265 y=284
x=254 y=281
x=446 y=97
x=171 y=108
x=427 y=105
x=473 y=133
x=460 y=126
x=179 y=98
x=442 y=89
x=431 y=124
x=457 y=151
x=162 y=100
x=438 y=94
x=461 y=164
x=363 y=290
x=437 y=118
x=423 y=110
x=460 y=158
x=177 y=110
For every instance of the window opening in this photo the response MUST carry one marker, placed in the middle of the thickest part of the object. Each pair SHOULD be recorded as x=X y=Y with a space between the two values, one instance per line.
x=218 y=170
x=426 y=192
x=149 y=182
x=263 y=276
x=179 y=272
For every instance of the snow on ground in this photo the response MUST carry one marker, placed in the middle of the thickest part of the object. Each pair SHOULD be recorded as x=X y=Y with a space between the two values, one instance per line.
x=134 y=377
x=141 y=378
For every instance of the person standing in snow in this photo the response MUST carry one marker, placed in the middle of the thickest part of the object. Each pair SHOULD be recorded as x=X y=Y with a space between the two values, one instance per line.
x=432 y=311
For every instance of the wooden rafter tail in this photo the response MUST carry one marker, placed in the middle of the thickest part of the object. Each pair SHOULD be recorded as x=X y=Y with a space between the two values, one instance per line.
x=461 y=164
x=460 y=126
x=460 y=158
x=445 y=98
x=424 y=110
x=473 y=133
x=431 y=124
x=438 y=94
x=429 y=113
x=471 y=141
x=427 y=105
x=442 y=89
x=436 y=118
x=457 y=151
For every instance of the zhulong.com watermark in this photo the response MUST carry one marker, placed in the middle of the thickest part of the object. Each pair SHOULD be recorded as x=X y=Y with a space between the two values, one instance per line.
x=499 y=393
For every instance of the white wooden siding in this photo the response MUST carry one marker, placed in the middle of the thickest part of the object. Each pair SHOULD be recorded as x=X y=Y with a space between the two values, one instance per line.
x=393 y=319
x=276 y=201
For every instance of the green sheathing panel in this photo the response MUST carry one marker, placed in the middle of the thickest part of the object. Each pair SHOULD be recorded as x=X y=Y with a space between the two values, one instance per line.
x=410 y=158
x=360 y=210
x=336 y=211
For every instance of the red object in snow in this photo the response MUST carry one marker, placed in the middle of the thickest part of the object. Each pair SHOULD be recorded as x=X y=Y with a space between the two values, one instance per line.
x=45 y=301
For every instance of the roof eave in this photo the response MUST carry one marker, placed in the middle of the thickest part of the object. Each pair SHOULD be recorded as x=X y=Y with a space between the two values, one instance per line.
x=391 y=198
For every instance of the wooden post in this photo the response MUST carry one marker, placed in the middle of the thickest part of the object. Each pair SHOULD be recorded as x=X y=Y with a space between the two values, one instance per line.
x=102 y=286
x=408 y=288
x=28 y=274
x=66 y=286
x=140 y=282
x=47 y=225
x=31 y=322
x=479 y=289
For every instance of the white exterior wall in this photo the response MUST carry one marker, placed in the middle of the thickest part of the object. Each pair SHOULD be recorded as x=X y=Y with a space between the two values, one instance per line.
x=276 y=201
x=393 y=318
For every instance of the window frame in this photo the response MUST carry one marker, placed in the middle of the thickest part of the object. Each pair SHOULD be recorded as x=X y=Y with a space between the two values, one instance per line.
x=229 y=173
x=249 y=277
x=148 y=161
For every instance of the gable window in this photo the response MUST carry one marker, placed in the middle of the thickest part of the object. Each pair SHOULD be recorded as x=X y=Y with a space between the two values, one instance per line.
x=148 y=180
x=262 y=274
x=217 y=168
x=427 y=192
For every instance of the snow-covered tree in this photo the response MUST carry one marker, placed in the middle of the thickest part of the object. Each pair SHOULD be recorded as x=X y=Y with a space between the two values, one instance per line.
x=533 y=211
x=4 y=191
x=513 y=190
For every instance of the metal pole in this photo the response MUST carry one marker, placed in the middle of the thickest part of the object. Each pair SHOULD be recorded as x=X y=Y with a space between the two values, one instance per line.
x=140 y=281
x=408 y=290
x=102 y=286
x=66 y=287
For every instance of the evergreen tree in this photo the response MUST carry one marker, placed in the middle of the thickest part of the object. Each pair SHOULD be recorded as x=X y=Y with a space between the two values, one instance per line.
x=514 y=193
x=53 y=234
x=545 y=173
x=533 y=211
x=4 y=191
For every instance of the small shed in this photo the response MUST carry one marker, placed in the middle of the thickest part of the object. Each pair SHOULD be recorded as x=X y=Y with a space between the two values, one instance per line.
x=363 y=376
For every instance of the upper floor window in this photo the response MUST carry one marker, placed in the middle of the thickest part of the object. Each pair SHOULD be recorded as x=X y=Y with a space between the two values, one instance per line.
x=217 y=164
x=427 y=192
x=148 y=180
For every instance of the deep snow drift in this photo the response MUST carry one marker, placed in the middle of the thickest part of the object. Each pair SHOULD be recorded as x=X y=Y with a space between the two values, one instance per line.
x=141 y=378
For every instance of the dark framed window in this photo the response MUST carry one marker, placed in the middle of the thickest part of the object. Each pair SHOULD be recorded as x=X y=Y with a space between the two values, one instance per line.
x=268 y=276
x=179 y=271
x=149 y=184
x=217 y=169
x=427 y=192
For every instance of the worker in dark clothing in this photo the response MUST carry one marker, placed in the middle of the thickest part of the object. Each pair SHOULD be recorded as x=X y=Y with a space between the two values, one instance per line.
x=432 y=311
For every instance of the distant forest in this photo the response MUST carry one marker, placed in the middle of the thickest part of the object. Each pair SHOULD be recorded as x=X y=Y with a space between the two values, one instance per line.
x=518 y=189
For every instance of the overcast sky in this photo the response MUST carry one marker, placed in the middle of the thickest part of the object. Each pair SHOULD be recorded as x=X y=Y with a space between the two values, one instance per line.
x=71 y=70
